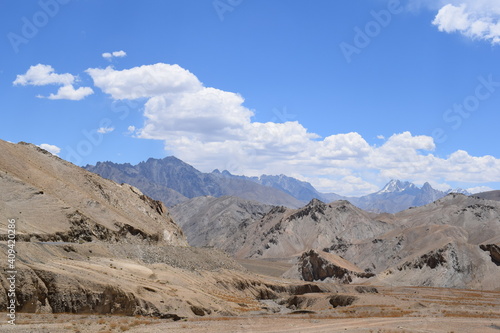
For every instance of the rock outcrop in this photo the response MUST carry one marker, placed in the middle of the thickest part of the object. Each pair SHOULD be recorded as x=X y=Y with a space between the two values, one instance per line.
x=320 y=266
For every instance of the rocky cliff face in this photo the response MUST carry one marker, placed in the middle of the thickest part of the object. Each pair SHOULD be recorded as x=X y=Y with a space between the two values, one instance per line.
x=320 y=266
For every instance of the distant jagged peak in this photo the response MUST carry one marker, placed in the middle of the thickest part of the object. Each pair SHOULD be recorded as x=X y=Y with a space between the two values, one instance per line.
x=427 y=186
x=166 y=159
x=458 y=190
x=396 y=185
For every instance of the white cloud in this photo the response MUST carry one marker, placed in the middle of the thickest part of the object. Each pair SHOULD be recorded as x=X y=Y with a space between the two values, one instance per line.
x=116 y=54
x=206 y=114
x=69 y=92
x=478 y=19
x=451 y=19
x=380 y=137
x=479 y=189
x=131 y=129
x=346 y=185
x=209 y=128
x=145 y=81
x=50 y=148
x=104 y=130
x=119 y=54
x=41 y=75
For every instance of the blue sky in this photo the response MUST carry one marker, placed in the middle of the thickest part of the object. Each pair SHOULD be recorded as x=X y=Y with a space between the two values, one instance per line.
x=344 y=94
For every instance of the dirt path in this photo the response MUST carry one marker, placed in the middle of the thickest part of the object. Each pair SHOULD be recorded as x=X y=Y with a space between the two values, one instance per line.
x=277 y=325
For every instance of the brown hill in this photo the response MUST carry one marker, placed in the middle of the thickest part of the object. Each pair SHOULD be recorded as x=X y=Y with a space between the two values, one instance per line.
x=89 y=245
x=285 y=232
x=453 y=242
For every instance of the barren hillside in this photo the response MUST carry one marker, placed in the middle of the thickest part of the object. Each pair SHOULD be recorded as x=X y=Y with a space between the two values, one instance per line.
x=89 y=245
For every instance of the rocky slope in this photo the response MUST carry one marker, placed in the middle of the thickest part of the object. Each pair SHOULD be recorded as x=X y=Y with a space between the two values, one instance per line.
x=285 y=232
x=453 y=242
x=449 y=243
x=54 y=200
x=208 y=221
x=85 y=244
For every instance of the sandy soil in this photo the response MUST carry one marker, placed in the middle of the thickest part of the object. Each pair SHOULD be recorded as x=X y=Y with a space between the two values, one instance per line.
x=265 y=324
x=390 y=310
x=269 y=267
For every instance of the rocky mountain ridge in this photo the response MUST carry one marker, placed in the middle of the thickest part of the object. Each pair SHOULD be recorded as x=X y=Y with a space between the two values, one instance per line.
x=88 y=245
x=452 y=242
x=173 y=181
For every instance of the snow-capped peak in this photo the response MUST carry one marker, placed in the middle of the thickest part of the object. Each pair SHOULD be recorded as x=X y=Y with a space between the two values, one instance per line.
x=458 y=190
x=396 y=186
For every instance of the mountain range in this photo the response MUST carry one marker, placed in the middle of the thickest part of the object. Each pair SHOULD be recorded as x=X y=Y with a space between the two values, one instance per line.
x=452 y=242
x=173 y=181
x=398 y=195
x=89 y=245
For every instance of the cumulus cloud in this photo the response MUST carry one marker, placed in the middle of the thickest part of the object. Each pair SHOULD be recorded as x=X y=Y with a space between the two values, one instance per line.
x=116 y=54
x=208 y=114
x=50 y=148
x=70 y=93
x=104 y=130
x=209 y=128
x=41 y=75
x=145 y=81
x=474 y=19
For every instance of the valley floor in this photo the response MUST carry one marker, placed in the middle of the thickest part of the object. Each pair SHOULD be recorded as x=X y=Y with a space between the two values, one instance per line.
x=398 y=309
